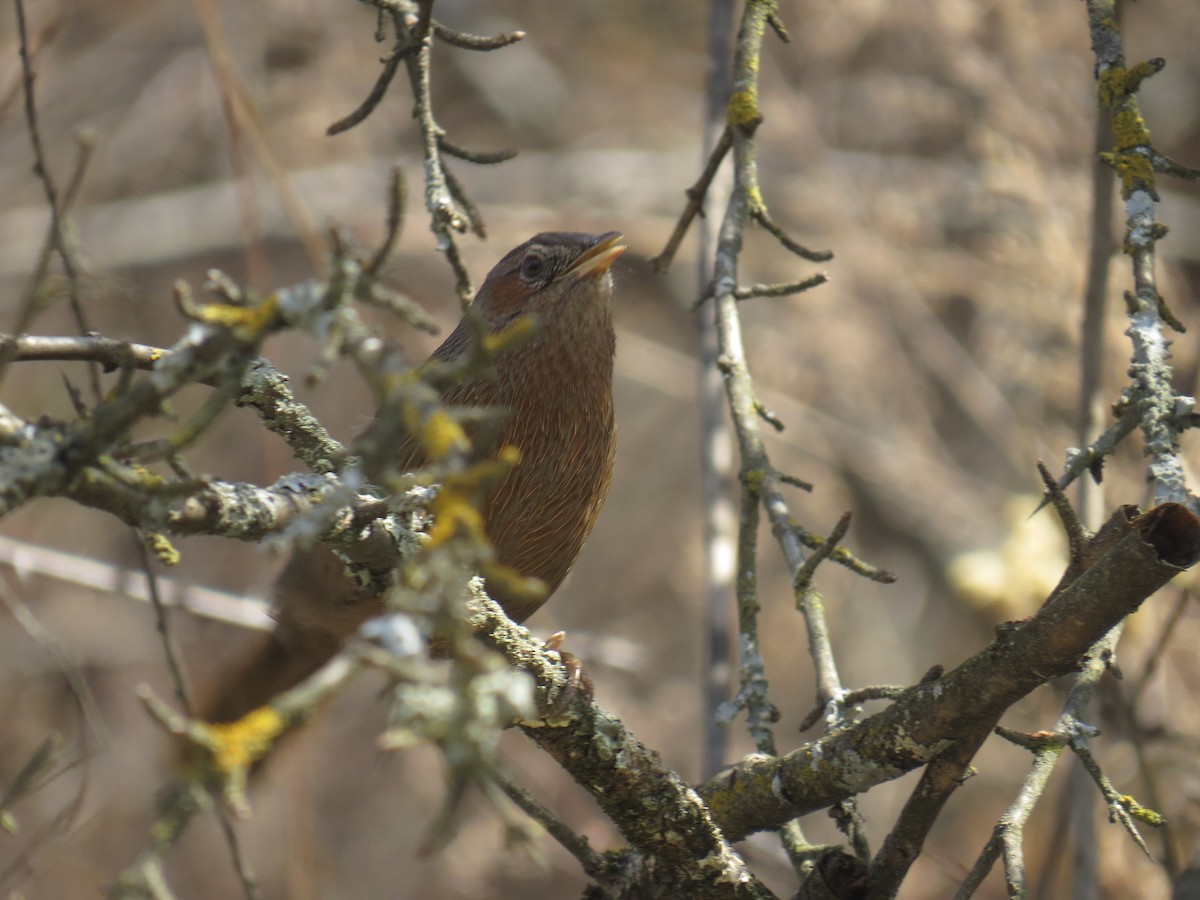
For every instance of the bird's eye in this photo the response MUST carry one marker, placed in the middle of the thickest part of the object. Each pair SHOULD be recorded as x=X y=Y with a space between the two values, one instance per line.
x=532 y=267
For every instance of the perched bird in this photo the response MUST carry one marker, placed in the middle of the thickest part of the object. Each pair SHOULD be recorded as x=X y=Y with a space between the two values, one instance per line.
x=557 y=390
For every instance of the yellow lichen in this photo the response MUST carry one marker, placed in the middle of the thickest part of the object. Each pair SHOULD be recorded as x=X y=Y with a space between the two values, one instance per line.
x=1117 y=83
x=440 y=435
x=1134 y=169
x=1129 y=128
x=1141 y=813
x=1140 y=72
x=1110 y=87
x=237 y=745
x=247 y=322
x=162 y=548
x=753 y=479
x=514 y=333
x=453 y=511
x=742 y=110
x=146 y=478
x=512 y=583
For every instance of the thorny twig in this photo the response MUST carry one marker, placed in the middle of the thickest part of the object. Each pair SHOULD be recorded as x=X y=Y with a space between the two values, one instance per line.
x=58 y=204
x=1149 y=402
x=1008 y=835
x=450 y=209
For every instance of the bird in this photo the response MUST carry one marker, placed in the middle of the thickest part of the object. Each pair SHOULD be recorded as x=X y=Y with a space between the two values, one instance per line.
x=555 y=393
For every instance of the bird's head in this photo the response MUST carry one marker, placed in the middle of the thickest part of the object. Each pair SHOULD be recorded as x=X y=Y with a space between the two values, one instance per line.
x=559 y=277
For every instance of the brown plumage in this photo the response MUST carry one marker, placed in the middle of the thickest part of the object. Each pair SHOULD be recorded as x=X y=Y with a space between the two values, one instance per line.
x=557 y=388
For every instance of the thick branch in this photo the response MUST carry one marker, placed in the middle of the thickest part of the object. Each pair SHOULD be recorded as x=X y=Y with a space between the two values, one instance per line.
x=657 y=812
x=1126 y=562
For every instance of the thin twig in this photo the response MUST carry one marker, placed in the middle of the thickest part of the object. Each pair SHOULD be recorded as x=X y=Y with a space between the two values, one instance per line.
x=1077 y=535
x=397 y=194
x=753 y=694
x=479 y=157
x=469 y=209
x=45 y=36
x=451 y=210
x=759 y=214
x=110 y=353
x=1151 y=390
x=32 y=774
x=445 y=218
x=843 y=557
x=852 y=699
x=1166 y=165
x=758 y=476
x=696 y=195
x=391 y=66
x=465 y=41
x=784 y=289
x=1091 y=457
x=263 y=387
x=802 y=579
x=1008 y=834
x=237 y=854
x=1122 y=809
x=575 y=844
x=53 y=648
x=41 y=168
x=174 y=664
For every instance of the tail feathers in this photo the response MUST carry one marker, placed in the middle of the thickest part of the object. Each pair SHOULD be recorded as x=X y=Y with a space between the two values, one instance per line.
x=276 y=665
x=317 y=608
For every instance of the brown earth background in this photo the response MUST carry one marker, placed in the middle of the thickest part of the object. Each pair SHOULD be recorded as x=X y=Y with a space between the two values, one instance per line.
x=940 y=149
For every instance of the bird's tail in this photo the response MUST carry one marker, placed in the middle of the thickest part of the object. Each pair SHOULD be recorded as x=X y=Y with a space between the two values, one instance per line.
x=316 y=609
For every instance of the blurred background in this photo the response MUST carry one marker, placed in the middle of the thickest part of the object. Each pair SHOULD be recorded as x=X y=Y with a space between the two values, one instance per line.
x=941 y=150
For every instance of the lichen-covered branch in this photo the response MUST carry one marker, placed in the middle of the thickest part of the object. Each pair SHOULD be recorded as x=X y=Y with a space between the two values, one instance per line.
x=91 y=458
x=1161 y=412
x=1130 y=558
x=661 y=816
x=263 y=388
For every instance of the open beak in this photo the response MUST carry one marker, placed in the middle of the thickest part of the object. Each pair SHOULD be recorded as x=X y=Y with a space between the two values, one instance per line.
x=598 y=257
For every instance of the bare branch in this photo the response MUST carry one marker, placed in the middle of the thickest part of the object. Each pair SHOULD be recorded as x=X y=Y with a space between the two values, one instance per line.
x=946 y=717
x=465 y=41
x=696 y=195
x=666 y=820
